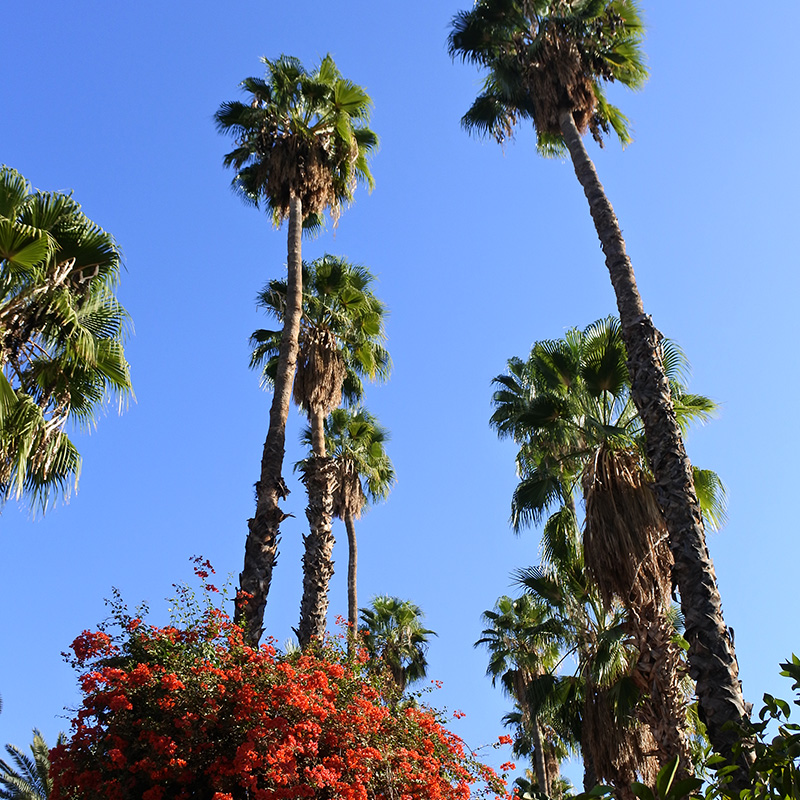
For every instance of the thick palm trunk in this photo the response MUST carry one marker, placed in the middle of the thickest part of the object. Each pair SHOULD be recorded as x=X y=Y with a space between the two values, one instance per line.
x=319 y=476
x=712 y=661
x=659 y=673
x=261 y=547
x=352 y=574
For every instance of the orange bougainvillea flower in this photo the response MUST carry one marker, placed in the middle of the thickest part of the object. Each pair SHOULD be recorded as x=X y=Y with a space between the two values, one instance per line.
x=184 y=712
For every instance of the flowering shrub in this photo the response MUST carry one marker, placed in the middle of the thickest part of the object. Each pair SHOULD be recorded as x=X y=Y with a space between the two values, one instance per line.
x=193 y=712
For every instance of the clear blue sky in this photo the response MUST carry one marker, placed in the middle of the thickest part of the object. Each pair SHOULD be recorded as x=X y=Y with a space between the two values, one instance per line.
x=480 y=251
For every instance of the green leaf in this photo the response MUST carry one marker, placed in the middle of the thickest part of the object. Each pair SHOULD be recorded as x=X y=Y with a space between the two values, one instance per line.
x=665 y=777
x=641 y=791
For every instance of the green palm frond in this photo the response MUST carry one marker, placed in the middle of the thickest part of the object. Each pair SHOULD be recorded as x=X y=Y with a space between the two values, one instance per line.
x=27 y=777
x=339 y=303
x=542 y=57
x=302 y=134
x=62 y=334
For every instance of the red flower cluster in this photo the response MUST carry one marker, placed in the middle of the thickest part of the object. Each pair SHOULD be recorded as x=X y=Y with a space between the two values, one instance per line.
x=179 y=714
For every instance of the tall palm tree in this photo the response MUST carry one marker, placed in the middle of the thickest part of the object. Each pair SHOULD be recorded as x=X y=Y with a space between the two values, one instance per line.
x=364 y=474
x=394 y=635
x=521 y=648
x=547 y=61
x=580 y=436
x=62 y=334
x=29 y=777
x=302 y=143
x=341 y=341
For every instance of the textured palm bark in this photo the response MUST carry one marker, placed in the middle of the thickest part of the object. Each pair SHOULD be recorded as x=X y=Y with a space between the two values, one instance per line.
x=319 y=476
x=553 y=766
x=712 y=660
x=352 y=576
x=531 y=725
x=659 y=674
x=261 y=547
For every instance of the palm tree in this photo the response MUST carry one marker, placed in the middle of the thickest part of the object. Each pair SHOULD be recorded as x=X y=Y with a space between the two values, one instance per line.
x=393 y=635
x=29 y=778
x=302 y=144
x=547 y=61
x=364 y=474
x=521 y=648
x=593 y=707
x=62 y=333
x=569 y=407
x=341 y=336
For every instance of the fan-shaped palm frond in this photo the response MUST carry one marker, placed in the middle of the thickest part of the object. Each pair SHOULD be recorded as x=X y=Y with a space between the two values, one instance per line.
x=543 y=58
x=394 y=636
x=62 y=333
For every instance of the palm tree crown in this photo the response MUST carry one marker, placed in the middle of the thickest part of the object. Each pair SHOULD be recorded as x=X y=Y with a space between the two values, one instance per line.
x=394 y=634
x=341 y=337
x=62 y=332
x=547 y=56
x=569 y=407
x=301 y=133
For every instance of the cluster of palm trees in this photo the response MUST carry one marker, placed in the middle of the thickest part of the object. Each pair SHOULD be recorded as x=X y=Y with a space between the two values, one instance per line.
x=548 y=61
x=599 y=416
x=602 y=599
x=302 y=146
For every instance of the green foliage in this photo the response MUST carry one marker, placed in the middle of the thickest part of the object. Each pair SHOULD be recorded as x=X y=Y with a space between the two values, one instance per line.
x=29 y=777
x=393 y=634
x=774 y=744
x=544 y=57
x=300 y=133
x=62 y=333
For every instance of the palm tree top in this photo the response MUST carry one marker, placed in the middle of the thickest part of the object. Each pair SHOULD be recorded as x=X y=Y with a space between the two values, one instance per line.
x=393 y=631
x=356 y=441
x=301 y=133
x=570 y=397
x=547 y=56
x=62 y=335
x=342 y=331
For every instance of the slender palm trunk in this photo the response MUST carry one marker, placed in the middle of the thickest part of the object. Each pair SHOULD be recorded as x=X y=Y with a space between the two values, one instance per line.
x=352 y=573
x=319 y=476
x=712 y=660
x=261 y=547
x=531 y=725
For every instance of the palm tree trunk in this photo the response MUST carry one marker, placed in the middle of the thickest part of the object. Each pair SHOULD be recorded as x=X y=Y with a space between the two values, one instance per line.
x=712 y=660
x=352 y=572
x=261 y=547
x=531 y=725
x=319 y=476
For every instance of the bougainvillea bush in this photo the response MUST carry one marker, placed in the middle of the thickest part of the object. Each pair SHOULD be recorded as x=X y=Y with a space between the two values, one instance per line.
x=191 y=711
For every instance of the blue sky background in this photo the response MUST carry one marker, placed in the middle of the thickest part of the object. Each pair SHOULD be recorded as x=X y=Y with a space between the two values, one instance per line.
x=480 y=251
